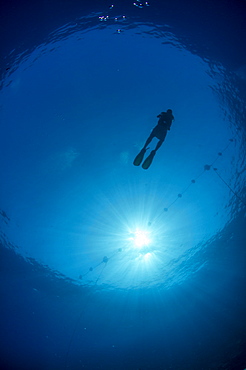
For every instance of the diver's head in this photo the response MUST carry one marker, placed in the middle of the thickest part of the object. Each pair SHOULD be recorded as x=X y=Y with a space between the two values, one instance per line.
x=169 y=111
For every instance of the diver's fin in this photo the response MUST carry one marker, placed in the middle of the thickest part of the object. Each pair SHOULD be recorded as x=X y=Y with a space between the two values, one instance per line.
x=137 y=161
x=148 y=160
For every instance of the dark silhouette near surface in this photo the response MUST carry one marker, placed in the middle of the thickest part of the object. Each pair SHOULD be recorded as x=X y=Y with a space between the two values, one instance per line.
x=160 y=132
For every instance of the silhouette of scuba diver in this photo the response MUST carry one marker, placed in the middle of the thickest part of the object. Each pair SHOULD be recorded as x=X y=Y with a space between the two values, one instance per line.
x=160 y=132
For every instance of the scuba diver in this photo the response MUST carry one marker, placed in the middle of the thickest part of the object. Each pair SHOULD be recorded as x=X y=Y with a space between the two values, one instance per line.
x=160 y=132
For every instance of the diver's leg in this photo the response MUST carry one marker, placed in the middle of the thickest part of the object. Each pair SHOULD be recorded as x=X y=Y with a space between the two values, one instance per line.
x=160 y=142
x=148 y=141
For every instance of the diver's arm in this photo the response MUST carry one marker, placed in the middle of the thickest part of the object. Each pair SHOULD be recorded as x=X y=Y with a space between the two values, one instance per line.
x=170 y=124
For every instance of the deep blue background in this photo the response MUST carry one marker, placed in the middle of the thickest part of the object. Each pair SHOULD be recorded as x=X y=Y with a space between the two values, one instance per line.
x=193 y=318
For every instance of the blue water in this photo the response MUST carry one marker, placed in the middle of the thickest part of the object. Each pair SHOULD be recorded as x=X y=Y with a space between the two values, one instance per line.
x=81 y=86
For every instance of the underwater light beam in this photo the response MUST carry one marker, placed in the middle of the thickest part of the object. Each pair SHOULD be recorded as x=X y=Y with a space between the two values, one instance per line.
x=140 y=238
